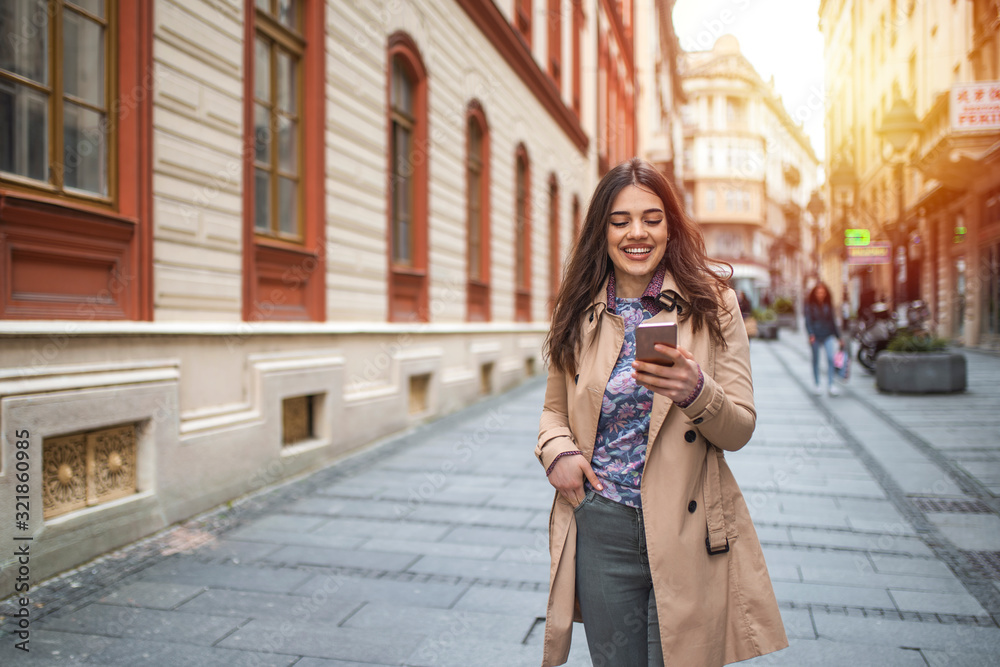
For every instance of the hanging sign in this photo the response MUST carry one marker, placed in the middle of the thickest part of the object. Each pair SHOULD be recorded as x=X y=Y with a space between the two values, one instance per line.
x=975 y=106
x=873 y=253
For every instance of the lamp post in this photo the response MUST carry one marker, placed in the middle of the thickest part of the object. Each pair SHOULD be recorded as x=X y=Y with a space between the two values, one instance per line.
x=899 y=126
x=816 y=208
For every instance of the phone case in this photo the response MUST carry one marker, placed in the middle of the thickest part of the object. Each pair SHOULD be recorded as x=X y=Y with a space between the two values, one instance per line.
x=647 y=335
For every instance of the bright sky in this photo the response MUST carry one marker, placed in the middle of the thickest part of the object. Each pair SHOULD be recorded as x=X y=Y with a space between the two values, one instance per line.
x=780 y=38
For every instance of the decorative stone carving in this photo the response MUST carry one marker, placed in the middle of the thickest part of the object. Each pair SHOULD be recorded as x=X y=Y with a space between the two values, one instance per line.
x=87 y=469
x=114 y=463
x=64 y=474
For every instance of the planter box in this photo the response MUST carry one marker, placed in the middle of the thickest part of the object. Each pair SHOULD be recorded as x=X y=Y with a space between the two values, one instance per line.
x=920 y=372
x=767 y=330
x=788 y=321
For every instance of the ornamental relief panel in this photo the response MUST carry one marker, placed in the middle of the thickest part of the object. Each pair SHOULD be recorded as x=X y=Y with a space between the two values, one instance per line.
x=87 y=469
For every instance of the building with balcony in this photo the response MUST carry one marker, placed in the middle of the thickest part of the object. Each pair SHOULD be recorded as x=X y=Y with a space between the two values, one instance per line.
x=240 y=239
x=913 y=131
x=749 y=171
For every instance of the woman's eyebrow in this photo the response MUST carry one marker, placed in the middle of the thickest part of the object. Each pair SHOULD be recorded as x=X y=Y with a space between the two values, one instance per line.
x=648 y=210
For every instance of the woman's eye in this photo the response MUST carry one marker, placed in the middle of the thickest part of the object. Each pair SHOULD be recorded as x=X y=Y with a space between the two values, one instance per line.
x=654 y=222
x=619 y=223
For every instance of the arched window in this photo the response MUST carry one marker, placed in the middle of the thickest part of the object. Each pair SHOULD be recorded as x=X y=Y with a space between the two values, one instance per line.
x=407 y=181
x=477 y=169
x=554 y=65
x=522 y=235
x=554 y=246
x=284 y=211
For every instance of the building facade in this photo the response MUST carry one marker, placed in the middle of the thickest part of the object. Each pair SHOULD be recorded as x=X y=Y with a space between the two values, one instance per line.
x=239 y=239
x=930 y=70
x=749 y=171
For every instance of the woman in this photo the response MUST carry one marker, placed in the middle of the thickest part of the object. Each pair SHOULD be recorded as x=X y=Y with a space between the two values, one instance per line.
x=651 y=542
x=823 y=334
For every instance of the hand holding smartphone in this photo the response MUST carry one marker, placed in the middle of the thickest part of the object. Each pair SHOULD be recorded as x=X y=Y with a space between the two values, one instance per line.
x=649 y=334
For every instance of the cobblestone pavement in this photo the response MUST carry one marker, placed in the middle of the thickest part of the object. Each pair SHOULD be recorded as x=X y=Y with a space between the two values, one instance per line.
x=878 y=515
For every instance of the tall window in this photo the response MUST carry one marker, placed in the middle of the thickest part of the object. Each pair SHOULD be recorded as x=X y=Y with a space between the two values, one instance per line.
x=278 y=55
x=576 y=219
x=407 y=109
x=522 y=236
x=555 y=41
x=554 y=244
x=478 y=214
x=522 y=19
x=578 y=24
x=55 y=92
x=75 y=174
x=284 y=205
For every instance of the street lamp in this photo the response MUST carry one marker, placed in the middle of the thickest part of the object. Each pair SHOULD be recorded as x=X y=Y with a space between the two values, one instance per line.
x=899 y=126
x=816 y=208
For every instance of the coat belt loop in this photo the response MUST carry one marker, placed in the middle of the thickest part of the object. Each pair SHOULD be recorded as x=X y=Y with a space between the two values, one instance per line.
x=717 y=542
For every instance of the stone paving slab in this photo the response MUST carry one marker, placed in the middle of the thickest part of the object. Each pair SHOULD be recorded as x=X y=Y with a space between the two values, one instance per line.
x=139 y=623
x=264 y=579
x=414 y=593
x=961 y=604
x=824 y=653
x=882 y=632
x=421 y=620
x=152 y=595
x=323 y=641
x=331 y=608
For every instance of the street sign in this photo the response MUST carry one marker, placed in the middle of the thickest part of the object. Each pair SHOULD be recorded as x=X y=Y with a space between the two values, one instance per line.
x=879 y=252
x=854 y=237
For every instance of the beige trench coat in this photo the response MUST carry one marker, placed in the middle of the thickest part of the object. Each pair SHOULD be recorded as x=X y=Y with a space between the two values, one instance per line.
x=713 y=609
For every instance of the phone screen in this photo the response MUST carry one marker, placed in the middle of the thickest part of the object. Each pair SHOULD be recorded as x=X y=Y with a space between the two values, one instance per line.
x=649 y=334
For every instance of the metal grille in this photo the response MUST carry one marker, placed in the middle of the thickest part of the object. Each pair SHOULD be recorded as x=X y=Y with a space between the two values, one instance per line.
x=951 y=506
x=986 y=563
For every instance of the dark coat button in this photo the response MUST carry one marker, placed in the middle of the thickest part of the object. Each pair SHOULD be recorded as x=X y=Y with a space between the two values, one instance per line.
x=692 y=506
x=576 y=380
x=690 y=436
x=699 y=420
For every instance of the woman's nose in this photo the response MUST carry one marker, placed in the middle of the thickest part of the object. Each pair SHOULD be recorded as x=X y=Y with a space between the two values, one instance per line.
x=637 y=230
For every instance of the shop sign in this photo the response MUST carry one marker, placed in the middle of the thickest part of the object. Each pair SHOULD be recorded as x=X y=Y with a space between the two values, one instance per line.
x=975 y=106
x=873 y=253
x=853 y=237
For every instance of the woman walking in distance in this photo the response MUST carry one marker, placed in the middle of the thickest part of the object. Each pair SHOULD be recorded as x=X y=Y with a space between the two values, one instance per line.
x=651 y=542
x=821 y=324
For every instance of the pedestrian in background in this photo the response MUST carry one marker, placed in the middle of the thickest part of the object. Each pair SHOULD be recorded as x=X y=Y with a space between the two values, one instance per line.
x=821 y=324
x=651 y=541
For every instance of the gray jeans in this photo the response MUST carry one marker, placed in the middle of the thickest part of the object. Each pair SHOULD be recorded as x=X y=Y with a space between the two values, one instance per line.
x=614 y=585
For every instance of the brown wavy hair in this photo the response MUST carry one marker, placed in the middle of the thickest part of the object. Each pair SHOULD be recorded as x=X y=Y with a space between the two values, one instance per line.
x=589 y=266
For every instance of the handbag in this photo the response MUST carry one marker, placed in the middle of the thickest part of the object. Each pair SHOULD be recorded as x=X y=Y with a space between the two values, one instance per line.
x=842 y=362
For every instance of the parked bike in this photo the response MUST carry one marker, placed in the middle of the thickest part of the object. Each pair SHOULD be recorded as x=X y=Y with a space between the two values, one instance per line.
x=875 y=328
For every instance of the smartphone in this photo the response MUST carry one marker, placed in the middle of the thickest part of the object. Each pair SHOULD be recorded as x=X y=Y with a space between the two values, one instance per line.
x=648 y=334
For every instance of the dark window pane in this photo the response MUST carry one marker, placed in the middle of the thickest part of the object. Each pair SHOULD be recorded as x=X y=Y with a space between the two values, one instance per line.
x=288 y=146
x=288 y=13
x=262 y=70
x=83 y=58
x=262 y=133
x=287 y=88
x=84 y=150
x=24 y=121
x=402 y=94
x=262 y=201
x=24 y=27
x=288 y=206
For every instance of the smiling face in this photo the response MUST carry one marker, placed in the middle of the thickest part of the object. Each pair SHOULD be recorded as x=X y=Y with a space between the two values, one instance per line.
x=637 y=239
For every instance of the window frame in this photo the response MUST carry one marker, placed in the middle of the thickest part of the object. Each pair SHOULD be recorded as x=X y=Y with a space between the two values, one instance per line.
x=55 y=188
x=75 y=256
x=522 y=234
x=408 y=299
x=285 y=280
x=478 y=286
x=555 y=254
x=553 y=64
x=282 y=37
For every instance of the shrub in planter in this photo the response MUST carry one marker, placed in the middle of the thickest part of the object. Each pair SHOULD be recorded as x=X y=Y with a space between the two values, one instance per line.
x=784 y=306
x=916 y=363
x=767 y=323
